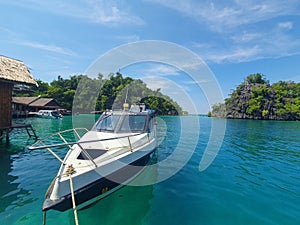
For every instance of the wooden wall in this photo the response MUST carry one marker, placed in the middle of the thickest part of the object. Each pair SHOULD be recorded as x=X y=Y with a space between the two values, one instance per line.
x=5 y=104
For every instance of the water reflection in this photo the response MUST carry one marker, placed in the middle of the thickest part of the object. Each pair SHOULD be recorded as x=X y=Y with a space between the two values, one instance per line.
x=128 y=205
x=11 y=195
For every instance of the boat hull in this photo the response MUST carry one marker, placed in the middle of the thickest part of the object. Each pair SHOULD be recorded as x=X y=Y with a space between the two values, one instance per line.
x=100 y=187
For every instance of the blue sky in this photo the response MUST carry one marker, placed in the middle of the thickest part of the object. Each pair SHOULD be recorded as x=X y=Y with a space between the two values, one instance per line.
x=234 y=38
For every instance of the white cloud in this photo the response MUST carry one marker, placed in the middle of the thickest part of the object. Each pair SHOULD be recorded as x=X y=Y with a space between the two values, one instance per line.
x=6 y=33
x=111 y=12
x=234 y=55
x=163 y=70
x=241 y=30
x=193 y=82
x=95 y=11
x=154 y=83
x=285 y=25
x=246 y=37
x=222 y=16
x=50 y=47
x=249 y=47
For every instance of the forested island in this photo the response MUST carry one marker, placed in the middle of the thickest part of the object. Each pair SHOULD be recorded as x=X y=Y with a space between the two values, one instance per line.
x=112 y=93
x=256 y=98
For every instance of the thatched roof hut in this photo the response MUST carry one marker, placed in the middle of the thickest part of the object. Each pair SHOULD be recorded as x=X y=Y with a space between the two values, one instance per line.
x=12 y=71
x=24 y=100
x=23 y=105
x=45 y=103
x=15 y=71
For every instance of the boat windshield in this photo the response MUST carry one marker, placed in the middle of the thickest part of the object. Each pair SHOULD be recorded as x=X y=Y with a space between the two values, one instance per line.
x=108 y=123
x=122 y=123
x=133 y=123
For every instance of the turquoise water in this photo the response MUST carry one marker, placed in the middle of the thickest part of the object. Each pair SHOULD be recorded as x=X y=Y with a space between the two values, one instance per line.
x=255 y=178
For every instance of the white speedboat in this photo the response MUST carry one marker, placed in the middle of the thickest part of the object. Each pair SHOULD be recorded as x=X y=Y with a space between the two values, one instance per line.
x=49 y=114
x=111 y=154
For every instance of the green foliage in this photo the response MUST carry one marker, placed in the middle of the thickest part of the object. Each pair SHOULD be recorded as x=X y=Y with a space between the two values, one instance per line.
x=265 y=113
x=110 y=91
x=256 y=78
x=137 y=91
x=255 y=98
x=218 y=110
x=287 y=100
x=112 y=94
x=42 y=88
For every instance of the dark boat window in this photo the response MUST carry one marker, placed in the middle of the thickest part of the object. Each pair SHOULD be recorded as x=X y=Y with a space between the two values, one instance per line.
x=93 y=153
x=133 y=123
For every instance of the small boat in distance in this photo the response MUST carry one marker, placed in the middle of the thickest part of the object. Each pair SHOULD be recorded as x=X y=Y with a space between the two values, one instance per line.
x=111 y=154
x=48 y=114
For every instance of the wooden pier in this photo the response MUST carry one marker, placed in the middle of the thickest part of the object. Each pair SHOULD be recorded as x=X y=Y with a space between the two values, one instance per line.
x=5 y=131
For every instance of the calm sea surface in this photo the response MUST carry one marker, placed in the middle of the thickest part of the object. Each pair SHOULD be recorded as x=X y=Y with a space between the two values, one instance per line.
x=254 y=179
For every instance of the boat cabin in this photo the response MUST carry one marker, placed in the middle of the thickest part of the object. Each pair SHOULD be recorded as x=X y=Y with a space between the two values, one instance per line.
x=136 y=120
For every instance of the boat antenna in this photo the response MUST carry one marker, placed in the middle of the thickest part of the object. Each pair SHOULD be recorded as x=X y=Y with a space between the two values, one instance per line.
x=126 y=105
x=126 y=95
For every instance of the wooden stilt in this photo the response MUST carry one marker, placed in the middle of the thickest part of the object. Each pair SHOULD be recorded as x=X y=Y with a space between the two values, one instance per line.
x=1 y=135
x=7 y=136
x=6 y=130
x=33 y=131
x=28 y=132
x=30 y=128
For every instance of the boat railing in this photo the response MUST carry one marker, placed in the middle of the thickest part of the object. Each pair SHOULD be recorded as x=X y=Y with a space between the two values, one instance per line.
x=62 y=137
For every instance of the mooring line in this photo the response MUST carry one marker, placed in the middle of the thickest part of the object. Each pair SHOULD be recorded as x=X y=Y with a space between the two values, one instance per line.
x=44 y=220
x=73 y=196
x=70 y=170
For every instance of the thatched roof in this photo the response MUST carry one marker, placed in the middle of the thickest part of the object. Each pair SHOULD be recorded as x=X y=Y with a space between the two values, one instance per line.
x=36 y=102
x=24 y=100
x=13 y=70
x=42 y=102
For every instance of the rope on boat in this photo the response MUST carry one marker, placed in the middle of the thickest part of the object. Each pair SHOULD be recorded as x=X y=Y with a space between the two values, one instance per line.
x=44 y=220
x=69 y=172
x=47 y=193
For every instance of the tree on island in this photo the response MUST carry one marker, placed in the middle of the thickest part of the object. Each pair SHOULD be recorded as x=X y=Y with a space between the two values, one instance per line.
x=255 y=98
x=112 y=92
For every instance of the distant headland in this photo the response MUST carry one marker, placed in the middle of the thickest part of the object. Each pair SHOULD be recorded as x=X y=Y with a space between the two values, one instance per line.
x=256 y=98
